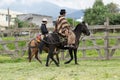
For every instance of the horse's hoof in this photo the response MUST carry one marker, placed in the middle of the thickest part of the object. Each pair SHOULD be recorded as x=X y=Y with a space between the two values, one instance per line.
x=47 y=65
x=76 y=63
x=57 y=65
x=40 y=62
x=66 y=62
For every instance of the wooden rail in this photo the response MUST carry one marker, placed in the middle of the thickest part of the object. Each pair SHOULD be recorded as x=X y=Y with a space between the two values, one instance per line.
x=106 y=49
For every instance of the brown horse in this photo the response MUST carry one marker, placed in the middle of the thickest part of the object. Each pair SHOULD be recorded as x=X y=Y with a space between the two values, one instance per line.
x=33 y=50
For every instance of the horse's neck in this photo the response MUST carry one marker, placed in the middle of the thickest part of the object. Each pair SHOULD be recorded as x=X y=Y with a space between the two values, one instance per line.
x=78 y=34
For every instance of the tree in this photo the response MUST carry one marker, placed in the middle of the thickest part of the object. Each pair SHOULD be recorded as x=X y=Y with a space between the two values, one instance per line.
x=97 y=14
x=112 y=8
x=72 y=22
x=114 y=15
x=114 y=19
x=22 y=24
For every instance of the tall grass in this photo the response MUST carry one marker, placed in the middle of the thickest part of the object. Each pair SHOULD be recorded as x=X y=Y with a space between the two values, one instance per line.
x=21 y=69
x=86 y=70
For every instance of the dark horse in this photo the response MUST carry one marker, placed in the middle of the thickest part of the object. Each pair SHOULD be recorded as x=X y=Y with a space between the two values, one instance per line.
x=54 y=41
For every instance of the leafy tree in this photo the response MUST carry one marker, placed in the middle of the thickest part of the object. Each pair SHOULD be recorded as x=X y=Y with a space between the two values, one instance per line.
x=114 y=15
x=114 y=19
x=98 y=3
x=72 y=22
x=97 y=14
x=22 y=24
x=112 y=8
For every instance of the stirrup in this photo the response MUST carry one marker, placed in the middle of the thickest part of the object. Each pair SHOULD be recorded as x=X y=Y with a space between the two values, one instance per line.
x=71 y=46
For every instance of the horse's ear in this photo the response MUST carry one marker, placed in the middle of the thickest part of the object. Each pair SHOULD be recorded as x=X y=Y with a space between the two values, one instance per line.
x=83 y=22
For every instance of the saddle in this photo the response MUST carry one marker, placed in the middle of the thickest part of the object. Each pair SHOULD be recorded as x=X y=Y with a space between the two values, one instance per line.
x=62 y=39
x=38 y=38
x=55 y=38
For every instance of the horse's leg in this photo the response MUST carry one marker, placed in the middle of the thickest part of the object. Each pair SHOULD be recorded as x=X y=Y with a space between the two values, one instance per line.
x=50 y=61
x=71 y=55
x=57 y=57
x=32 y=54
x=51 y=54
x=75 y=56
x=29 y=54
x=36 y=56
x=48 y=57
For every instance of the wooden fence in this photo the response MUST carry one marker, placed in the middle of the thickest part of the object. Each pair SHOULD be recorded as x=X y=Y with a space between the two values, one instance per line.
x=105 y=51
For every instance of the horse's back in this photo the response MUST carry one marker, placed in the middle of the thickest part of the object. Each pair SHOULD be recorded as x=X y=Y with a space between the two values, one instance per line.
x=32 y=43
x=53 y=38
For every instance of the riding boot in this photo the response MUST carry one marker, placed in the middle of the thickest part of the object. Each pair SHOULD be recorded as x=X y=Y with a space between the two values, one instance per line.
x=40 y=46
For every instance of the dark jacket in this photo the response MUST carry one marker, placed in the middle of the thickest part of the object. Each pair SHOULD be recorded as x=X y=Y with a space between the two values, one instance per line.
x=44 y=29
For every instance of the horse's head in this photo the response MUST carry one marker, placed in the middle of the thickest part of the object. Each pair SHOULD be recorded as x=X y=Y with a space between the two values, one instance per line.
x=82 y=28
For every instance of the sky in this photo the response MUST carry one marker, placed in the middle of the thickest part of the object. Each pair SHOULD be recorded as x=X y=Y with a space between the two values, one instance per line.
x=75 y=4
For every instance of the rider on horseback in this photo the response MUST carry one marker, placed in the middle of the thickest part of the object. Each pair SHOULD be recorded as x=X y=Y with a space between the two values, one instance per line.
x=44 y=32
x=43 y=27
x=63 y=28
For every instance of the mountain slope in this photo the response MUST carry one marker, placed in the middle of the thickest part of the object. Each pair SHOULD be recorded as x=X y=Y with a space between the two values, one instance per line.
x=43 y=8
x=76 y=14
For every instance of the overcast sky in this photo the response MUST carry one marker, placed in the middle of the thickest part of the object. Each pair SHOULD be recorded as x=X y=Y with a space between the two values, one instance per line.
x=75 y=4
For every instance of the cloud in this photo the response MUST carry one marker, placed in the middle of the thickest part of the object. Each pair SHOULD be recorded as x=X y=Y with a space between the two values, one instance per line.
x=75 y=4
x=6 y=2
x=23 y=2
x=80 y=4
x=29 y=2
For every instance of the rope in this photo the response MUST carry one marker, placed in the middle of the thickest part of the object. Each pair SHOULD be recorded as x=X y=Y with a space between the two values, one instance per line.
x=82 y=37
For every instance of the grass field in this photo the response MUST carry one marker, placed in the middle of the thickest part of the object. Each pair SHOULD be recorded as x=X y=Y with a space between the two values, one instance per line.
x=21 y=69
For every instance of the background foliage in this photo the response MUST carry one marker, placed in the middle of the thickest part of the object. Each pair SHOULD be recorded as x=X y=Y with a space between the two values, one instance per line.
x=99 y=12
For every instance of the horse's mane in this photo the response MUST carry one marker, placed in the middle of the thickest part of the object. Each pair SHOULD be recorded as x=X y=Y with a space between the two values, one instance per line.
x=77 y=27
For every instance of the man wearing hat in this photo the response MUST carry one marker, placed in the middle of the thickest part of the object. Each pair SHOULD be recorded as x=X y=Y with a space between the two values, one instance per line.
x=43 y=27
x=63 y=28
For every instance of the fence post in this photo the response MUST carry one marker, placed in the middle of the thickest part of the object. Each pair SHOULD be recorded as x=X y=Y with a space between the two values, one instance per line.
x=106 y=39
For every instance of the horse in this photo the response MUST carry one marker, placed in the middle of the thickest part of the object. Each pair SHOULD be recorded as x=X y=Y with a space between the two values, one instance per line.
x=56 y=42
x=33 y=49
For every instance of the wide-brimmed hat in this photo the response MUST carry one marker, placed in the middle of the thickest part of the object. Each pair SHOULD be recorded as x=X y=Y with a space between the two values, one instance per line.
x=44 y=19
x=62 y=11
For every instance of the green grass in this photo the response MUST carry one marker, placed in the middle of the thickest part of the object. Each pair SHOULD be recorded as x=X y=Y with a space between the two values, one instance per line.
x=8 y=38
x=86 y=70
x=21 y=69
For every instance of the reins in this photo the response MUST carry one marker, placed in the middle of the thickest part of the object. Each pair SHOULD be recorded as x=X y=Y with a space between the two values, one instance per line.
x=82 y=36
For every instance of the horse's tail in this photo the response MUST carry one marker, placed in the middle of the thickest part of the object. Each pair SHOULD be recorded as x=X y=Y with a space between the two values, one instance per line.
x=29 y=52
